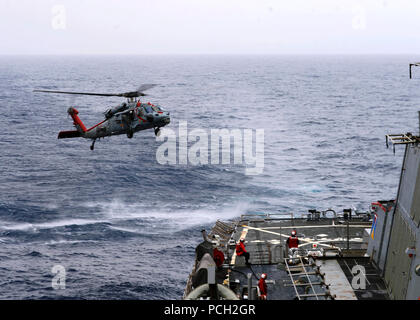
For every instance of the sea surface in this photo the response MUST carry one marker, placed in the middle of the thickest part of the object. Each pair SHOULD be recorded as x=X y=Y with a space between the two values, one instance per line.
x=124 y=226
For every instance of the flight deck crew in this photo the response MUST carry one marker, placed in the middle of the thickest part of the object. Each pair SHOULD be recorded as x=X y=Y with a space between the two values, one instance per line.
x=293 y=241
x=262 y=286
x=218 y=257
x=241 y=251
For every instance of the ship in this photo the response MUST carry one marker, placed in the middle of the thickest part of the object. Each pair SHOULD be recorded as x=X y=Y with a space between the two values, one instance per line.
x=347 y=255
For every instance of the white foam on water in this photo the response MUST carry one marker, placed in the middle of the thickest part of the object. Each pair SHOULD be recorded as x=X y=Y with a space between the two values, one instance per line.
x=117 y=211
x=58 y=242
x=49 y=225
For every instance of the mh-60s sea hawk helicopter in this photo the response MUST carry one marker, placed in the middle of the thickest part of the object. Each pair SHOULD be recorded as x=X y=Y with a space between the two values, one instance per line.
x=126 y=118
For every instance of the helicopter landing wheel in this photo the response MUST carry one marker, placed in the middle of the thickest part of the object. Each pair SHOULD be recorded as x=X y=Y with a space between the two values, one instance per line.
x=157 y=132
x=93 y=145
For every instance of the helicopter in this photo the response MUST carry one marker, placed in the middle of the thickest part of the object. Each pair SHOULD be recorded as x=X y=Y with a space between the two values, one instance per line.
x=127 y=118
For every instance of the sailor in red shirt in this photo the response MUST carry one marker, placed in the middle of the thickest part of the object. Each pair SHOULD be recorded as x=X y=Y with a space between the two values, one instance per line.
x=293 y=241
x=262 y=286
x=218 y=257
x=241 y=251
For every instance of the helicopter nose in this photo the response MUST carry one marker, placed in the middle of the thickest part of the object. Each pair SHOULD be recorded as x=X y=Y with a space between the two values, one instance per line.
x=163 y=118
x=167 y=120
x=159 y=119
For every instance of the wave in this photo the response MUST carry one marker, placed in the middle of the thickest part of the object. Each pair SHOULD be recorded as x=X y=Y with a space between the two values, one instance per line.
x=133 y=218
x=49 y=225
x=117 y=211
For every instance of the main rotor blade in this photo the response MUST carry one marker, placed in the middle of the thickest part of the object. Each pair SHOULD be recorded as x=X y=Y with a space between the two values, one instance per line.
x=83 y=93
x=131 y=94
x=145 y=87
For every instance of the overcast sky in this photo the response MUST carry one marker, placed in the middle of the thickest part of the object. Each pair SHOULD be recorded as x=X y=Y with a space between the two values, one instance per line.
x=209 y=26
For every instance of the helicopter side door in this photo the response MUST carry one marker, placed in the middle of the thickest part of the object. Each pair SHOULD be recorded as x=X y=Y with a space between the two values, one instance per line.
x=118 y=123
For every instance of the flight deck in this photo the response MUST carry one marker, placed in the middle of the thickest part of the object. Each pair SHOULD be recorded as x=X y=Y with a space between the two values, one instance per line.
x=330 y=256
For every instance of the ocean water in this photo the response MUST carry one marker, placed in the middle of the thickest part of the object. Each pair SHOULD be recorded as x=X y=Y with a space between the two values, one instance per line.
x=124 y=226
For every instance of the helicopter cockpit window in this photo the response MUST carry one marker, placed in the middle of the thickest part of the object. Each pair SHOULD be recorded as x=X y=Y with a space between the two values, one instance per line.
x=148 y=109
x=156 y=108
